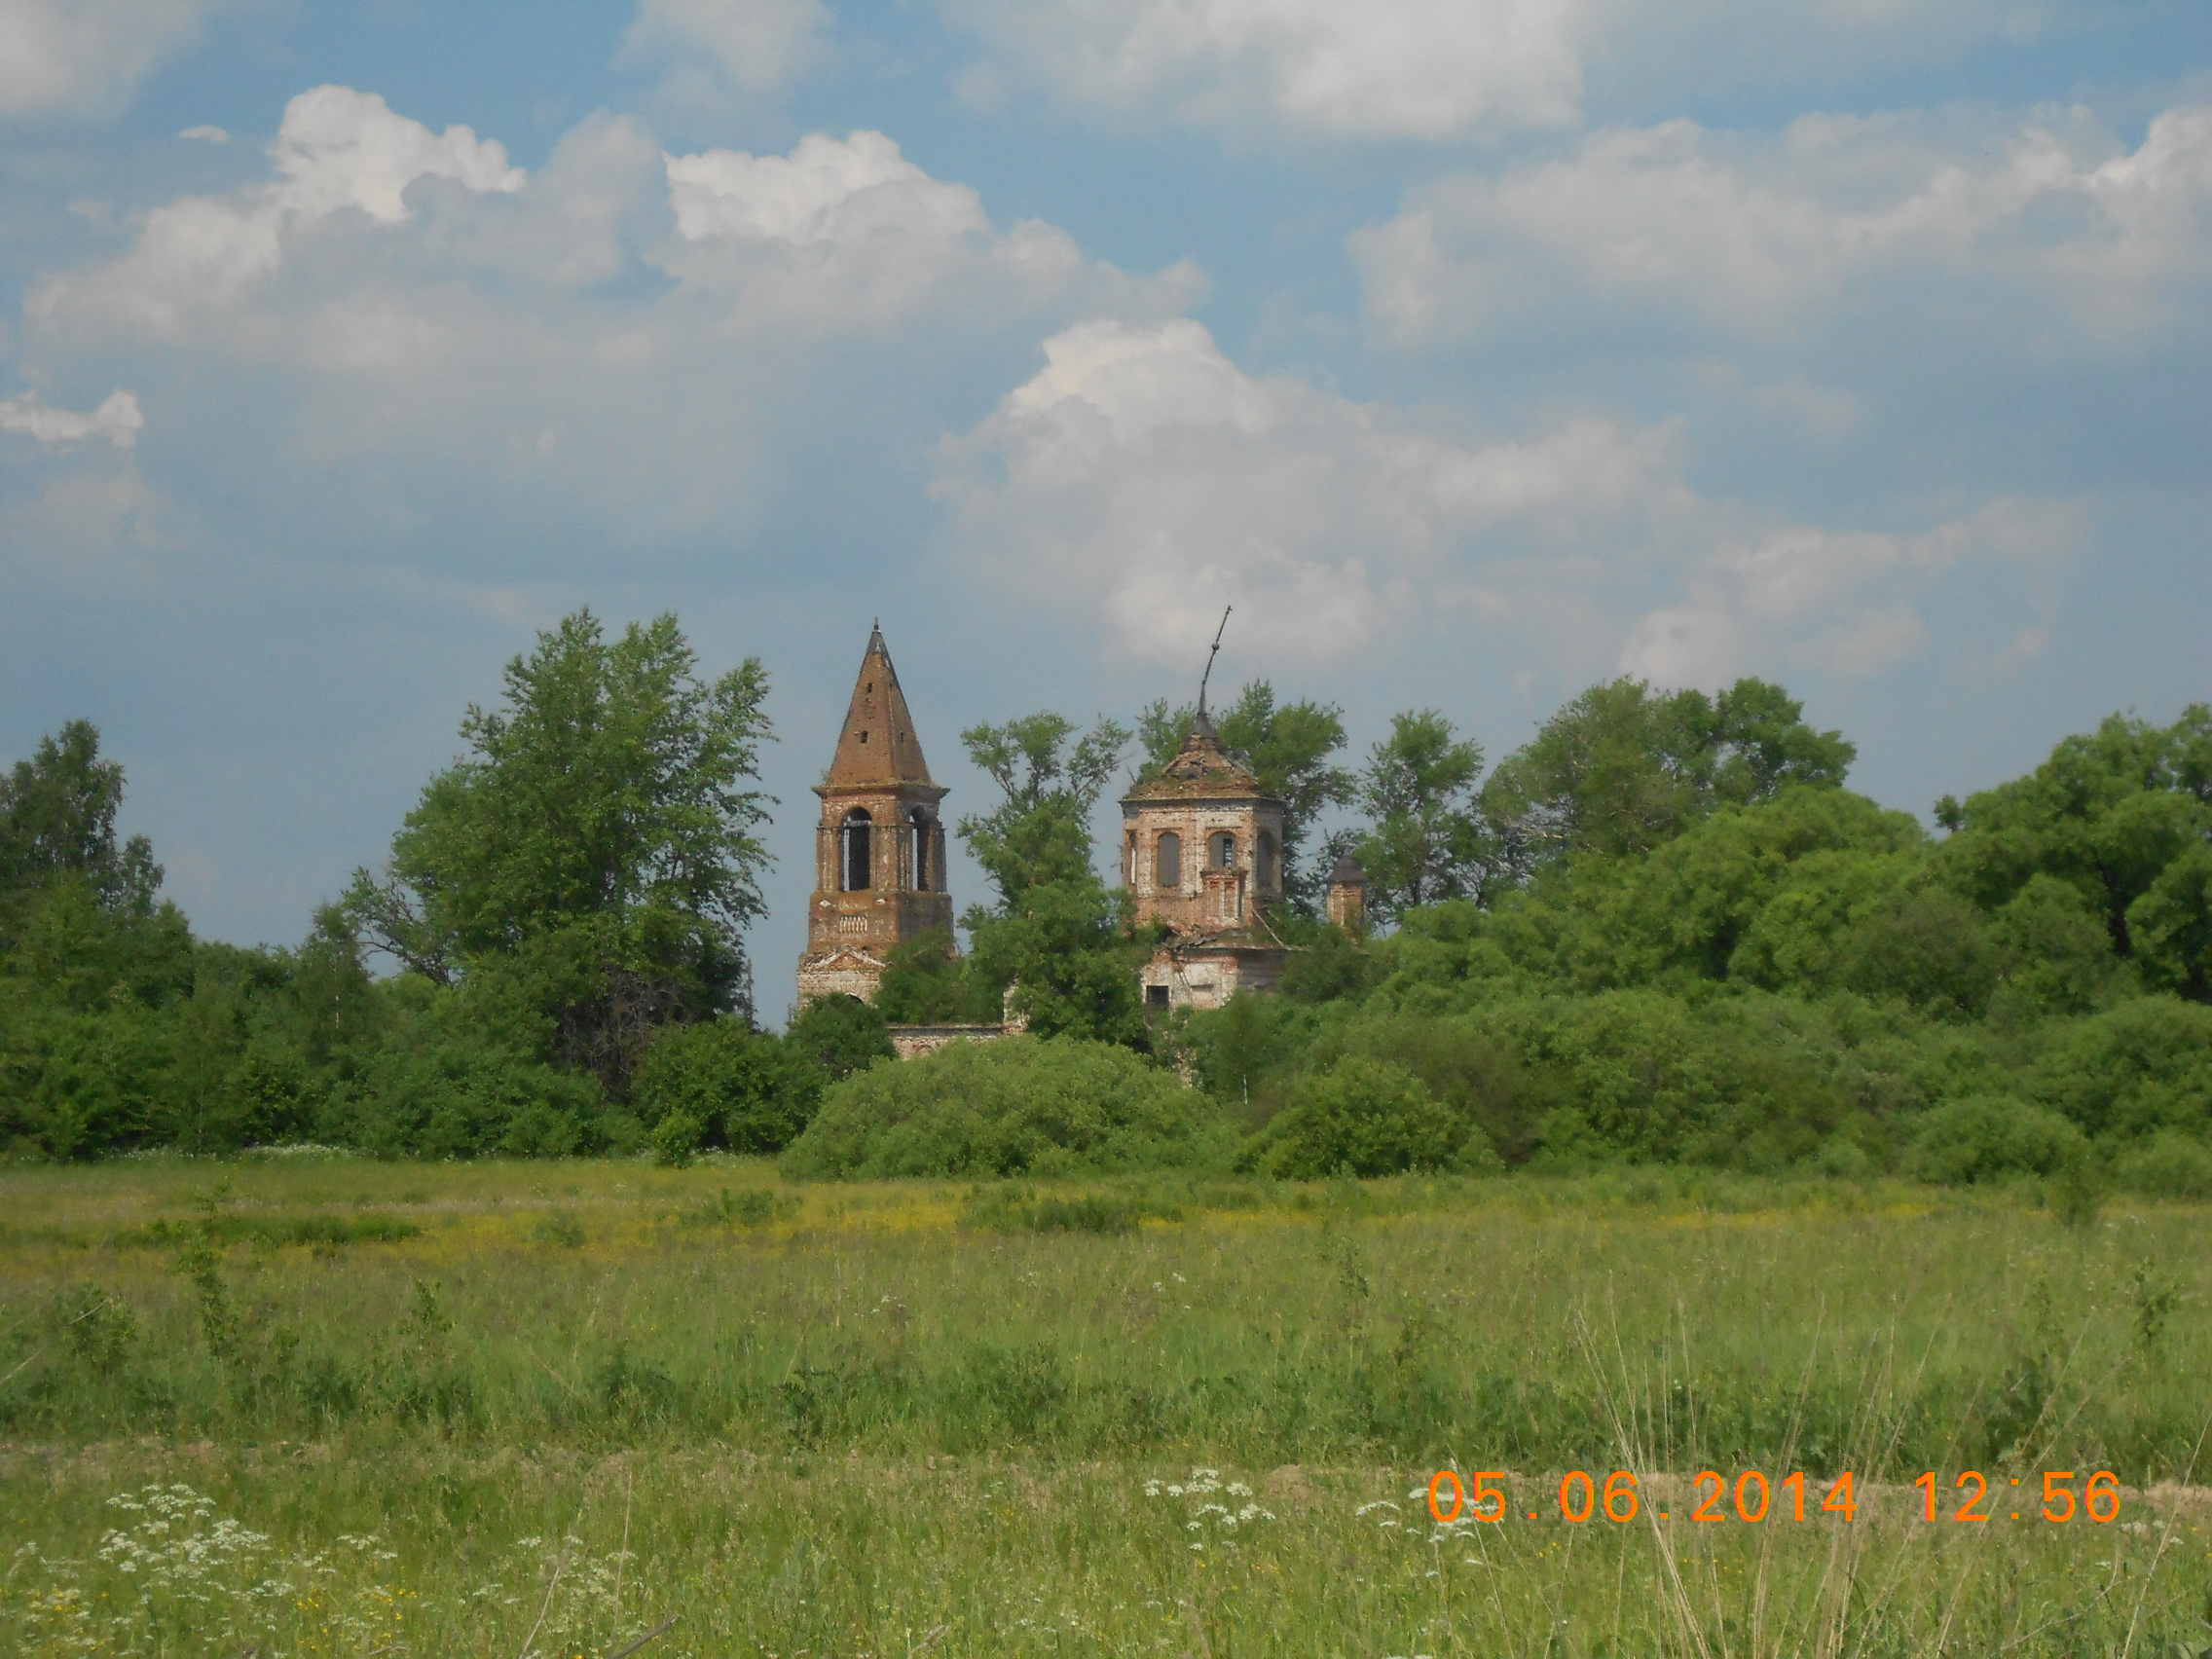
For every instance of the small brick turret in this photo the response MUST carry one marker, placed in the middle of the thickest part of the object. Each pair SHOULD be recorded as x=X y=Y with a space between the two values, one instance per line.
x=1348 y=896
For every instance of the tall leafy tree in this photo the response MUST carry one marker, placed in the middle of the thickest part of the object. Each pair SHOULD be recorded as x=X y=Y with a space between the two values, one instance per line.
x=1056 y=935
x=590 y=865
x=1288 y=746
x=1623 y=769
x=57 y=820
x=1425 y=839
x=93 y=965
x=2123 y=816
x=1040 y=831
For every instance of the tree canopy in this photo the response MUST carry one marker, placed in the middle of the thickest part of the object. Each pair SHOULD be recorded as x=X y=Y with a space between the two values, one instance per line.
x=1056 y=935
x=57 y=820
x=1623 y=768
x=1425 y=839
x=594 y=850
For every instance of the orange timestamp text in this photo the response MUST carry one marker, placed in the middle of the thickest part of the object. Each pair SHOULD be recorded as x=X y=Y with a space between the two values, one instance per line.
x=1752 y=1498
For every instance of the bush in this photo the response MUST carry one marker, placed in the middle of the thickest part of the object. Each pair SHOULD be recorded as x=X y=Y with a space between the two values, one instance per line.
x=2139 y=1066
x=2167 y=1166
x=1369 y=1117
x=1987 y=1136
x=1018 y=1105
x=675 y=1138
x=739 y=1089
x=453 y=1097
x=840 y=1035
x=926 y=982
x=999 y=1210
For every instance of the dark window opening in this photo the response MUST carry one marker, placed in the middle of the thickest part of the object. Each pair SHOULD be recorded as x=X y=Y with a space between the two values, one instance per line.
x=1155 y=995
x=1224 y=852
x=1167 y=861
x=921 y=833
x=857 y=866
x=1266 y=862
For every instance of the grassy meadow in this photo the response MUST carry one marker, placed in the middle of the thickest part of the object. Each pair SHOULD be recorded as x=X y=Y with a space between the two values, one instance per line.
x=334 y=1406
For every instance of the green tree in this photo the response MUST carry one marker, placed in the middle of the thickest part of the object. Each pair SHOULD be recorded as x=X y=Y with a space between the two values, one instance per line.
x=57 y=820
x=594 y=850
x=1040 y=831
x=1622 y=768
x=838 y=1035
x=926 y=982
x=1055 y=934
x=1288 y=747
x=728 y=1084
x=1425 y=839
x=2121 y=815
x=94 y=967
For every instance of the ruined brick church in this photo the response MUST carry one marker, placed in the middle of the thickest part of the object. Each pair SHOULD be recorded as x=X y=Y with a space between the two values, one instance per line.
x=1201 y=853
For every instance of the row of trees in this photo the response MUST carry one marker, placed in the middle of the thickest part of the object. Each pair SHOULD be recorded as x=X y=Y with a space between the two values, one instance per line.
x=1576 y=942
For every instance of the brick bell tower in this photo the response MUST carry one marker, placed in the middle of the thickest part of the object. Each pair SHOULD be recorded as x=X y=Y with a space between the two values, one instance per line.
x=1201 y=852
x=879 y=853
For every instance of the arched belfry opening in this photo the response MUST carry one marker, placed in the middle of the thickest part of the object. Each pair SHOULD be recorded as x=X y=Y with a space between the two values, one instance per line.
x=879 y=864
x=858 y=875
x=921 y=833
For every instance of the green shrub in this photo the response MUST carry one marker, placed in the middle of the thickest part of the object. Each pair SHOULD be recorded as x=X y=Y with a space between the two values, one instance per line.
x=2139 y=1066
x=739 y=1089
x=997 y=1209
x=926 y=982
x=1369 y=1117
x=840 y=1035
x=1988 y=1136
x=2167 y=1166
x=675 y=1138
x=452 y=1095
x=756 y=1208
x=1020 y=1105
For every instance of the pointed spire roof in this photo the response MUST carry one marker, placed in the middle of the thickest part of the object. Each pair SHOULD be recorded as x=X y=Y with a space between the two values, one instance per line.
x=878 y=745
x=1347 y=874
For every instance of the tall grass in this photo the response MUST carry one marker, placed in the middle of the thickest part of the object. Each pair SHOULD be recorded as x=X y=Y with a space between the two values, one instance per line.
x=844 y=1418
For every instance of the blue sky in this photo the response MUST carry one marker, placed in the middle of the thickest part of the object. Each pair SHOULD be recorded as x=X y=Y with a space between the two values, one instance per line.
x=1474 y=350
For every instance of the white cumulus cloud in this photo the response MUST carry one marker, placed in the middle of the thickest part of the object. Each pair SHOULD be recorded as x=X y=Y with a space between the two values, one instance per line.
x=1768 y=240
x=1452 y=69
x=846 y=233
x=758 y=44
x=1839 y=602
x=117 y=420
x=421 y=330
x=1142 y=479
x=337 y=148
x=340 y=148
x=89 y=57
x=1382 y=69
x=1142 y=476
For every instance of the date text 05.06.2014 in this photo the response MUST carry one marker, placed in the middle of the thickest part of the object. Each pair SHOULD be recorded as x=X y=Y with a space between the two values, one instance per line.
x=1479 y=1497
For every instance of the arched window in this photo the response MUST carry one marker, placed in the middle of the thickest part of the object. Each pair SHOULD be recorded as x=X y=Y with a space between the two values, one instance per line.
x=920 y=822
x=858 y=865
x=1129 y=859
x=1221 y=851
x=1167 y=861
x=1264 y=860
